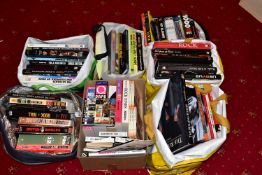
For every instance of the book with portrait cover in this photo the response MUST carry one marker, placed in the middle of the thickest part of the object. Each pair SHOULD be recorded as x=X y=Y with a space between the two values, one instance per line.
x=174 y=122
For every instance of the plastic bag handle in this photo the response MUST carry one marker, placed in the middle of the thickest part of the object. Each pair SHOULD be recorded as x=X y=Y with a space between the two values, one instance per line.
x=220 y=119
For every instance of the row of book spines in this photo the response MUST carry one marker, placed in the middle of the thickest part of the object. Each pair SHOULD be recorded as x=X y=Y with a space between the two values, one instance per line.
x=126 y=52
x=155 y=29
x=125 y=90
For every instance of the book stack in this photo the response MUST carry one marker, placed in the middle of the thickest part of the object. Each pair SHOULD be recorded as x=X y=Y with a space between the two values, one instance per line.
x=43 y=122
x=56 y=63
x=125 y=52
x=194 y=60
x=112 y=119
x=186 y=117
x=168 y=27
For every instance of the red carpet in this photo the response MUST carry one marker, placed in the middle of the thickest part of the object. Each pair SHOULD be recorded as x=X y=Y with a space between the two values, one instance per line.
x=236 y=34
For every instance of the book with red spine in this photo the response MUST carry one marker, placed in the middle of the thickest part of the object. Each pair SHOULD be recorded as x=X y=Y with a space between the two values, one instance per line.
x=208 y=116
x=183 y=45
x=119 y=88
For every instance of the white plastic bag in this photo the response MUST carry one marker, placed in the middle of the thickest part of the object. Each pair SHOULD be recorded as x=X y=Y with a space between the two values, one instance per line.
x=201 y=150
x=54 y=82
x=102 y=64
x=216 y=62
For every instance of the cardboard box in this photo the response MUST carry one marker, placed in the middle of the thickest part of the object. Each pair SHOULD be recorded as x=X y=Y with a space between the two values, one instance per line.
x=116 y=162
x=254 y=7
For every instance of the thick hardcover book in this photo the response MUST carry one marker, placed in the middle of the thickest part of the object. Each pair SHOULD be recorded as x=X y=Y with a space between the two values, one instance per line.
x=44 y=139
x=174 y=123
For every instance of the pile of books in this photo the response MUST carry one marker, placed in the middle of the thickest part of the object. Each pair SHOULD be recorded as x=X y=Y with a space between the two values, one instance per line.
x=113 y=118
x=186 y=117
x=125 y=52
x=43 y=122
x=194 y=60
x=168 y=27
x=54 y=60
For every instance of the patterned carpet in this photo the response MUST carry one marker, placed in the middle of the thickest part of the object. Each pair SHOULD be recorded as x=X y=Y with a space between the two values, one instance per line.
x=235 y=32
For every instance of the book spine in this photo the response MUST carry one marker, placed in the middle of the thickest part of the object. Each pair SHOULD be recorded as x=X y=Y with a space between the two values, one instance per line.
x=36 y=96
x=42 y=139
x=117 y=52
x=201 y=77
x=40 y=129
x=131 y=51
x=47 y=79
x=113 y=52
x=118 y=118
x=211 y=116
x=125 y=51
x=197 y=45
x=182 y=52
x=134 y=50
x=208 y=118
x=162 y=30
x=170 y=28
x=185 y=59
x=125 y=104
x=206 y=135
x=117 y=153
x=52 y=53
x=44 y=122
x=67 y=63
x=188 y=121
x=187 y=27
x=56 y=60
x=50 y=72
x=53 y=67
x=144 y=27
x=190 y=68
x=140 y=61
x=32 y=101
x=15 y=114
x=58 y=46
x=101 y=95
x=47 y=148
